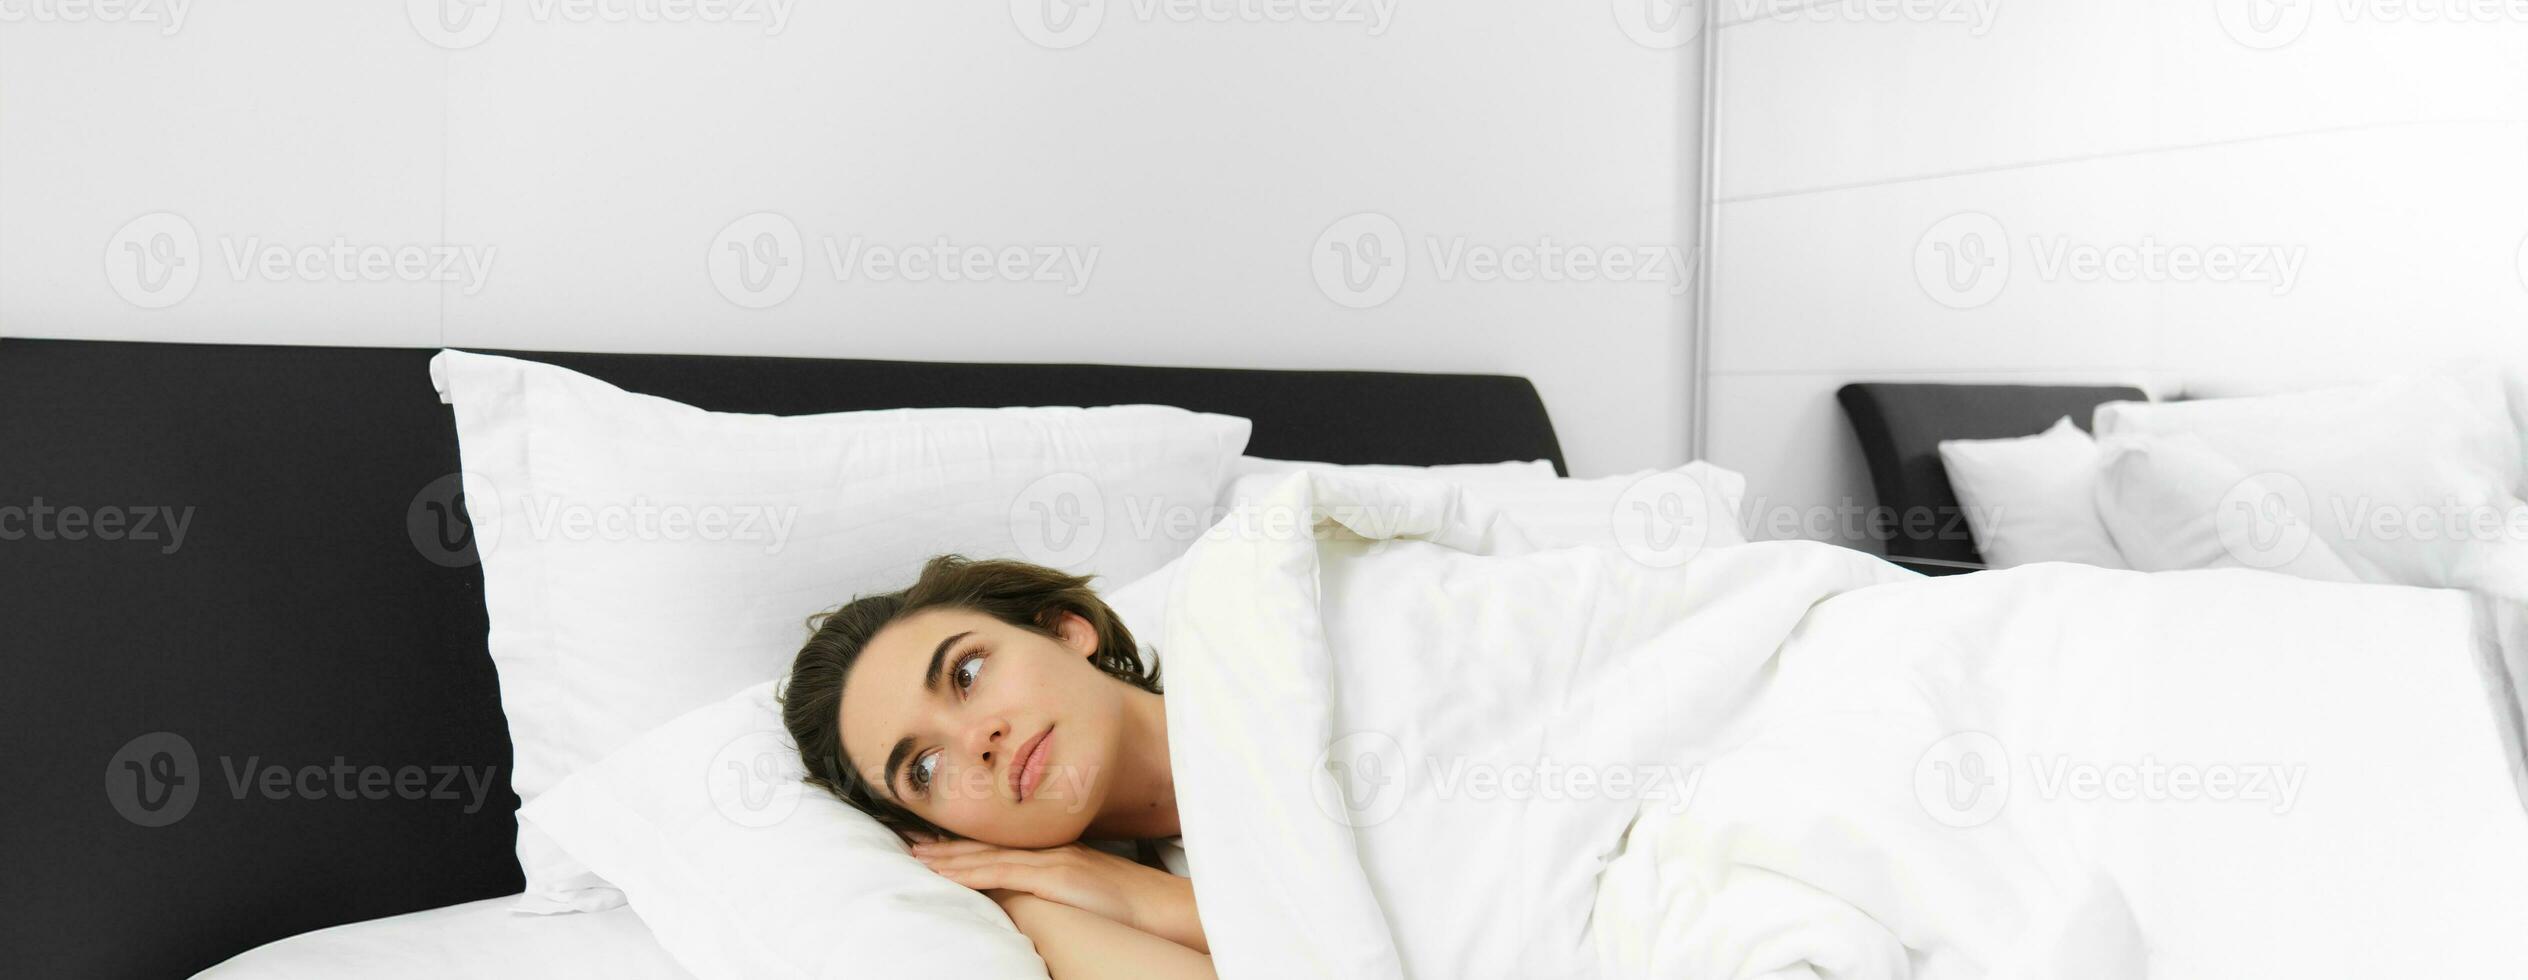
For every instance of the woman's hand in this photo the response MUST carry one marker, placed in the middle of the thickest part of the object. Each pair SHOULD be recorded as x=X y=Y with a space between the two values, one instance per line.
x=1079 y=876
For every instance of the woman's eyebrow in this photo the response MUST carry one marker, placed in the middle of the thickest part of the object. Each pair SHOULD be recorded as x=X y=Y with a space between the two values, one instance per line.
x=930 y=676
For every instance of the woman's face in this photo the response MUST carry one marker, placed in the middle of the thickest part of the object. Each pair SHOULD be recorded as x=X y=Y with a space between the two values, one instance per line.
x=987 y=730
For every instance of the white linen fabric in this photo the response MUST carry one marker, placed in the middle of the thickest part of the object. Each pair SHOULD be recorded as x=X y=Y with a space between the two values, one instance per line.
x=642 y=557
x=2030 y=499
x=482 y=940
x=1380 y=723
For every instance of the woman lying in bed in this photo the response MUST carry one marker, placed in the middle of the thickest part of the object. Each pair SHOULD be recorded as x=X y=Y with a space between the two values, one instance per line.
x=998 y=714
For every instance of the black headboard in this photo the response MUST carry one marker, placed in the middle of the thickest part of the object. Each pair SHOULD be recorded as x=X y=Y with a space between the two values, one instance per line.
x=1900 y=427
x=299 y=622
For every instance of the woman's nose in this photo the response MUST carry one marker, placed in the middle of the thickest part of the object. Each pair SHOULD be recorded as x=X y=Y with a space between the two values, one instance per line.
x=983 y=739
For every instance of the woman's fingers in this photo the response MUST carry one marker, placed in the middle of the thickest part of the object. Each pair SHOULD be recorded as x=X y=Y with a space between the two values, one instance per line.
x=953 y=847
x=1030 y=859
x=1014 y=877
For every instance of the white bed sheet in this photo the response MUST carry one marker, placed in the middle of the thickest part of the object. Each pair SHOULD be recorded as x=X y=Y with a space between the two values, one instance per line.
x=477 y=939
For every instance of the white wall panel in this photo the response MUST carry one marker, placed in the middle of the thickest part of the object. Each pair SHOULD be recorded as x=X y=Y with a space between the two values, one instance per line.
x=256 y=127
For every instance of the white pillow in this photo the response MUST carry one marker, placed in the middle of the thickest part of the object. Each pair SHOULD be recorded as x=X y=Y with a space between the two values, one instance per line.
x=2031 y=499
x=2172 y=503
x=741 y=870
x=2410 y=480
x=643 y=557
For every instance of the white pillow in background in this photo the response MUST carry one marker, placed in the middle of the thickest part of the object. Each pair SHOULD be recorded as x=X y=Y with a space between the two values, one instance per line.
x=2031 y=499
x=2172 y=503
x=642 y=557
x=2410 y=480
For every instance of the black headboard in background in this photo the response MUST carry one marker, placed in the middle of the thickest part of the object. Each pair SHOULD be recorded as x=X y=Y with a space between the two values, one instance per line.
x=300 y=622
x=1900 y=427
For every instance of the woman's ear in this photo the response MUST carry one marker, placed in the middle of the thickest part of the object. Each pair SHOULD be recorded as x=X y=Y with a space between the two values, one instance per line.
x=1076 y=633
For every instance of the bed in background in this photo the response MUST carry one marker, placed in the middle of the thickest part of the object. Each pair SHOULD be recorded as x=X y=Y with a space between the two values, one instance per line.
x=322 y=605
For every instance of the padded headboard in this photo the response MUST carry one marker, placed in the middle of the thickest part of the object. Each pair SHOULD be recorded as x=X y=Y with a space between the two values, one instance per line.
x=300 y=625
x=1900 y=427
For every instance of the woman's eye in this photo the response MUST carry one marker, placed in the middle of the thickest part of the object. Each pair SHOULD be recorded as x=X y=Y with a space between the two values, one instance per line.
x=967 y=669
x=923 y=768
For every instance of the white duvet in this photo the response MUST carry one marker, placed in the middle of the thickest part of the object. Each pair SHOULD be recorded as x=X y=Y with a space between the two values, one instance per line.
x=1408 y=745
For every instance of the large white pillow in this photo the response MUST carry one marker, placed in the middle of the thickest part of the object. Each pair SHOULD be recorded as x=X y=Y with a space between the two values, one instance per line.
x=2410 y=480
x=643 y=557
x=2172 y=503
x=742 y=870
x=2031 y=498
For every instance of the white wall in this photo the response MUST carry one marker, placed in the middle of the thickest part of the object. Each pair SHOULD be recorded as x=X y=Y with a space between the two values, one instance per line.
x=2384 y=145
x=600 y=167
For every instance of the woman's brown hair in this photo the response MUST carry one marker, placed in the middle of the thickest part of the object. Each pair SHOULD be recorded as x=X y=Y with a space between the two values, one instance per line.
x=1027 y=596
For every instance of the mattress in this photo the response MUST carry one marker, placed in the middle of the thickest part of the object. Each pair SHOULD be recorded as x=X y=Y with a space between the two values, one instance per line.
x=477 y=939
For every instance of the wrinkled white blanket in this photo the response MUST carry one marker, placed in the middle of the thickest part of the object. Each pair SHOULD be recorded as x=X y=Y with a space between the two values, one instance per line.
x=1409 y=744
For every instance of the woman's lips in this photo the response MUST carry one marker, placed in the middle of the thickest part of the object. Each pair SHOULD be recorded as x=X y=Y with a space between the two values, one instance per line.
x=1029 y=769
